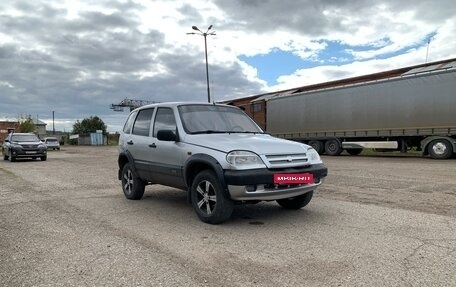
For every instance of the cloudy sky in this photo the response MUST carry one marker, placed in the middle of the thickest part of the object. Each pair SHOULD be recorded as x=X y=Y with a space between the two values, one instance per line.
x=76 y=58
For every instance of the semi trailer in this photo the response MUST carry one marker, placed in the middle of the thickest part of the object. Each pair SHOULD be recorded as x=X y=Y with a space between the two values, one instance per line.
x=403 y=109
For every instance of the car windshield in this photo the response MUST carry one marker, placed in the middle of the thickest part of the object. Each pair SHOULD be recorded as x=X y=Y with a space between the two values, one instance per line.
x=24 y=138
x=216 y=119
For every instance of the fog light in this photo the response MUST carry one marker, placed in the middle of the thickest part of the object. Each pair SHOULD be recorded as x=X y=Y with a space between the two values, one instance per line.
x=251 y=188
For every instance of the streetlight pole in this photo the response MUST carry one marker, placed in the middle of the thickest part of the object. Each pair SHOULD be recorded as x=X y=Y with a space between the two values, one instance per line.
x=205 y=34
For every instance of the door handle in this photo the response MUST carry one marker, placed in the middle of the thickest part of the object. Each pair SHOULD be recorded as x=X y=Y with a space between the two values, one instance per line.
x=130 y=142
x=153 y=145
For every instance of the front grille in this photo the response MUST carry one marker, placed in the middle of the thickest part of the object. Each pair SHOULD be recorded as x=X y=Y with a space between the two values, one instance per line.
x=287 y=160
x=29 y=147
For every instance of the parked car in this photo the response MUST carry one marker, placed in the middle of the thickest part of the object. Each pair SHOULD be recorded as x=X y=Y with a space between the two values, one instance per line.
x=218 y=155
x=52 y=143
x=23 y=145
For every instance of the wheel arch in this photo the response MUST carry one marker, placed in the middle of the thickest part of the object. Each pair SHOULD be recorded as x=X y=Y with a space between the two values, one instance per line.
x=124 y=158
x=198 y=162
x=425 y=142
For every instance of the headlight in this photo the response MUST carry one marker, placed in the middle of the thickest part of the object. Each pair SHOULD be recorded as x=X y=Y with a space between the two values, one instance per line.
x=244 y=160
x=313 y=155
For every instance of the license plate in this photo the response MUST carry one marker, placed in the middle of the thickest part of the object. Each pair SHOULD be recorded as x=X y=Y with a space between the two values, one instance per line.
x=30 y=152
x=293 y=178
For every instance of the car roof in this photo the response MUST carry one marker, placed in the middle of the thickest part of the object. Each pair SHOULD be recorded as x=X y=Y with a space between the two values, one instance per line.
x=176 y=104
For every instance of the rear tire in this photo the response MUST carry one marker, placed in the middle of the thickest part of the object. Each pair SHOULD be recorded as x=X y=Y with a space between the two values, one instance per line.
x=333 y=147
x=297 y=202
x=209 y=200
x=132 y=186
x=440 y=149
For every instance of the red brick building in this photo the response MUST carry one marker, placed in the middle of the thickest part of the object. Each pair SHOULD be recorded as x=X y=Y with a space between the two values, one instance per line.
x=6 y=127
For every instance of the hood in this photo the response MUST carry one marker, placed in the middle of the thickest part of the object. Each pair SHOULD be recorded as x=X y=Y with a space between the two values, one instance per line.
x=27 y=142
x=259 y=143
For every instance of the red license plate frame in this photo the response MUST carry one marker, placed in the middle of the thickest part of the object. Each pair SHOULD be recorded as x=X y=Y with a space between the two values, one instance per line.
x=293 y=178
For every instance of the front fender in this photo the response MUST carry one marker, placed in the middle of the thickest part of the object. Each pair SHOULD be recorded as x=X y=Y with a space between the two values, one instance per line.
x=199 y=162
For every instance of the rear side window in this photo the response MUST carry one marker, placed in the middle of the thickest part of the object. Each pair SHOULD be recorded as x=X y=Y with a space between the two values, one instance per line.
x=164 y=120
x=129 y=123
x=142 y=123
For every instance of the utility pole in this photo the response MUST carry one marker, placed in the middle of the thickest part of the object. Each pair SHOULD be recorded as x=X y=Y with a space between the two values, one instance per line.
x=205 y=34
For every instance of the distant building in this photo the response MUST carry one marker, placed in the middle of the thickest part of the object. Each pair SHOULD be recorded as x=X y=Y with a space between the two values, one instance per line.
x=13 y=126
x=6 y=127
x=40 y=128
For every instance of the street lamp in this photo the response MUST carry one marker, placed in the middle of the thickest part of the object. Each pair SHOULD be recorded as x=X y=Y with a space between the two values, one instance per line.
x=205 y=34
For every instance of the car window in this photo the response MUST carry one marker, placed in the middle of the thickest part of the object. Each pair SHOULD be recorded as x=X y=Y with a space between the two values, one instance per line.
x=141 y=126
x=129 y=123
x=201 y=118
x=164 y=120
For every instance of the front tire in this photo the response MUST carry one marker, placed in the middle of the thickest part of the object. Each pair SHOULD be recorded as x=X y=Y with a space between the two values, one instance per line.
x=297 y=202
x=43 y=158
x=132 y=186
x=209 y=199
x=440 y=149
x=12 y=158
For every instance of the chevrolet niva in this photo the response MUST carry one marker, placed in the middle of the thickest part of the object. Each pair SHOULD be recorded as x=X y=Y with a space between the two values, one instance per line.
x=216 y=153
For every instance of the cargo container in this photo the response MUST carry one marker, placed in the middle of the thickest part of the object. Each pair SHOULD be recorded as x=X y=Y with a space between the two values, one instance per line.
x=407 y=108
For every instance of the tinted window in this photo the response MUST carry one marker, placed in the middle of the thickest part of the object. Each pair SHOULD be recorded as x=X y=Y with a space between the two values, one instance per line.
x=164 y=120
x=24 y=138
x=129 y=123
x=142 y=123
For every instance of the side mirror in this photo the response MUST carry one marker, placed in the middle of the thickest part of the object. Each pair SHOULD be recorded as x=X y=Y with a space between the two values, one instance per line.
x=167 y=135
x=7 y=141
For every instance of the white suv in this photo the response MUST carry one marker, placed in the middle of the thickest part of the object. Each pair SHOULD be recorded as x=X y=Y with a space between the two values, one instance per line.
x=218 y=155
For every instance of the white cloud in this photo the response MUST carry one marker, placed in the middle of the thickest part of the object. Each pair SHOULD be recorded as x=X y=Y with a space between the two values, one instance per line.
x=78 y=57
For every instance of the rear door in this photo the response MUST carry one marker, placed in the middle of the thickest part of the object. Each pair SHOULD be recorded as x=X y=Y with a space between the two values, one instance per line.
x=137 y=143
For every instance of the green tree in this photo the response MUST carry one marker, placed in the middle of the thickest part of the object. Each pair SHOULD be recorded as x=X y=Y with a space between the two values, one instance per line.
x=26 y=125
x=89 y=125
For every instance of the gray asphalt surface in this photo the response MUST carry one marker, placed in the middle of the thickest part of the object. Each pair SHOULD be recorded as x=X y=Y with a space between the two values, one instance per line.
x=376 y=221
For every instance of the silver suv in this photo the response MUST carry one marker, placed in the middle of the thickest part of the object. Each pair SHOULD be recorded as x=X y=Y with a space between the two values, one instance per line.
x=218 y=155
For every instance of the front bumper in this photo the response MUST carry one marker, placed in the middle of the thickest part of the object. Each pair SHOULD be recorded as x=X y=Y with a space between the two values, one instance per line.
x=259 y=184
x=21 y=153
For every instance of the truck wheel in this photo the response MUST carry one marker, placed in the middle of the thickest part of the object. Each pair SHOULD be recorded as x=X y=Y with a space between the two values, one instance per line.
x=333 y=147
x=354 y=151
x=318 y=146
x=440 y=149
x=132 y=186
x=296 y=202
x=209 y=199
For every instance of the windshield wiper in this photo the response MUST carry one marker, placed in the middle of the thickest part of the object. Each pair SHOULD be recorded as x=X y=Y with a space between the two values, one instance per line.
x=245 y=132
x=209 y=132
